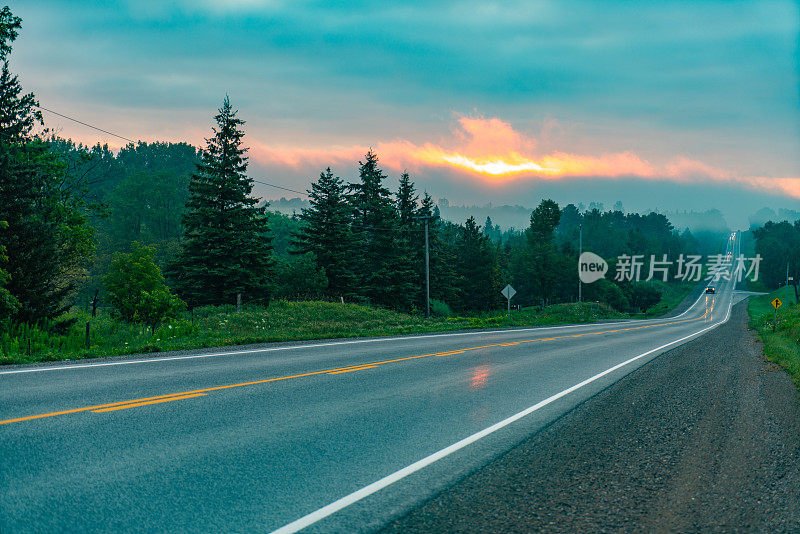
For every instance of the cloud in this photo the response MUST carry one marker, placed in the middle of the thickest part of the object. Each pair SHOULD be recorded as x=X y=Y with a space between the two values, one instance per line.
x=491 y=151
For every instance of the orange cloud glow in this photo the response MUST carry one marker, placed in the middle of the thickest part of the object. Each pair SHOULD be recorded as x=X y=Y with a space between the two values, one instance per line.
x=490 y=150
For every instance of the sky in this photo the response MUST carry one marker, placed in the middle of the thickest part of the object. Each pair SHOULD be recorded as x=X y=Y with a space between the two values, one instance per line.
x=662 y=105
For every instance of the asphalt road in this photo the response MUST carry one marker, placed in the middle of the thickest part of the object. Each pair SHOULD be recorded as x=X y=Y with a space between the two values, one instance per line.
x=338 y=436
x=705 y=438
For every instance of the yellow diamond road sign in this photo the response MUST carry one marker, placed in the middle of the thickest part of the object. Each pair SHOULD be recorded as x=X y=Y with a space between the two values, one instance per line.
x=777 y=303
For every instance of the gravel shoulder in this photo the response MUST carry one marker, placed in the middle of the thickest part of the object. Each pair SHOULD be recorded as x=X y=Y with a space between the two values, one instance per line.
x=705 y=437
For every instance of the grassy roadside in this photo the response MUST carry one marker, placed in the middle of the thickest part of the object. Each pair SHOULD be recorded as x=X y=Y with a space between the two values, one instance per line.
x=782 y=346
x=218 y=326
x=672 y=294
x=281 y=321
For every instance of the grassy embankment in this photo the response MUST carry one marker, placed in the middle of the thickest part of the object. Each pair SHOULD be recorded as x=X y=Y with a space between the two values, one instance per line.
x=672 y=294
x=282 y=321
x=782 y=346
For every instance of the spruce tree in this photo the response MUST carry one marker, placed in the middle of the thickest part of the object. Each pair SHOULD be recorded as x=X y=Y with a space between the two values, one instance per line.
x=327 y=234
x=376 y=236
x=477 y=266
x=46 y=238
x=227 y=248
x=444 y=279
x=410 y=262
x=8 y=303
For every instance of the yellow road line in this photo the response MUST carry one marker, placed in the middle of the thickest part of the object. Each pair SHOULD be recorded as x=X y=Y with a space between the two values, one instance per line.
x=337 y=370
x=353 y=369
x=136 y=404
x=452 y=352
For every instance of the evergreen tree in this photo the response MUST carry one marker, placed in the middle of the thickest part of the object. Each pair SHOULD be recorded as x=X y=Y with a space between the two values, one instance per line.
x=542 y=271
x=444 y=279
x=227 y=248
x=410 y=264
x=491 y=230
x=376 y=221
x=407 y=201
x=46 y=238
x=477 y=266
x=8 y=303
x=327 y=234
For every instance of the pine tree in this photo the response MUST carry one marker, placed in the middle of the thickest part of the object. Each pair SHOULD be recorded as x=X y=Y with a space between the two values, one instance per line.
x=227 y=249
x=410 y=262
x=8 y=303
x=376 y=236
x=327 y=234
x=477 y=266
x=46 y=238
x=444 y=279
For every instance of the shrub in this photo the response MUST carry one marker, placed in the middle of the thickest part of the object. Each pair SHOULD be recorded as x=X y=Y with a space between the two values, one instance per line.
x=440 y=308
x=136 y=288
x=644 y=296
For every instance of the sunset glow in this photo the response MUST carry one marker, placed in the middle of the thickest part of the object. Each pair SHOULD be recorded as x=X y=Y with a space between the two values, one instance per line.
x=492 y=152
x=495 y=167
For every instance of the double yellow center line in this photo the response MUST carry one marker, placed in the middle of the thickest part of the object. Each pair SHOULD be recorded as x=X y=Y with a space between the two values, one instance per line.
x=114 y=406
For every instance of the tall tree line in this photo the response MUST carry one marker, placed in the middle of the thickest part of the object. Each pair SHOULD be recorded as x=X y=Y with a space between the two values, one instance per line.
x=778 y=244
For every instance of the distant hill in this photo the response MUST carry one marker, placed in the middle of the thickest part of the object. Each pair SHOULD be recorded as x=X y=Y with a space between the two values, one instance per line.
x=699 y=221
x=768 y=214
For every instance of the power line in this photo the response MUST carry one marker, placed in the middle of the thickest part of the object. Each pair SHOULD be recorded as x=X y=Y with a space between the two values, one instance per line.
x=132 y=141
x=279 y=187
x=86 y=124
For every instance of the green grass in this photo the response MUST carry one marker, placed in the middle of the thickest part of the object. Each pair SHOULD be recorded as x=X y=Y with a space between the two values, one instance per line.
x=218 y=326
x=672 y=293
x=280 y=321
x=783 y=345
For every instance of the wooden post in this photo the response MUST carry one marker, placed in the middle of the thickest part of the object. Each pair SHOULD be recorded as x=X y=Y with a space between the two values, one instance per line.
x=95 y=300
x=238 y=302
x=88 y=341
x=775 y=321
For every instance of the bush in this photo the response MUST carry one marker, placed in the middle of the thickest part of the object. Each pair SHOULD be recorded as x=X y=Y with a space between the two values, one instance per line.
x=607 y=292
x=644 y=296
x=440 y=308
x=136 y=288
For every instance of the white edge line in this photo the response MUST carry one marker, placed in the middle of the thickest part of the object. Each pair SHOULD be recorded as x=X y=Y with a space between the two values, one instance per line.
x=347 y=500
x=69 y=367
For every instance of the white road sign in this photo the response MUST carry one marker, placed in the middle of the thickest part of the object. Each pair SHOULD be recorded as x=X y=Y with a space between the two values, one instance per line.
x=508 y=292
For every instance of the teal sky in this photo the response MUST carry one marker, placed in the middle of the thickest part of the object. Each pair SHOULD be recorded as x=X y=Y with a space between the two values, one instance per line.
x=633 y=100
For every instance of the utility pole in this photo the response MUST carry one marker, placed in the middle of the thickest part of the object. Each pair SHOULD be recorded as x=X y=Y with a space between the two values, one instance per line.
x=427 y=273
x=580 y=251
x=427 y=268
x=787 y=282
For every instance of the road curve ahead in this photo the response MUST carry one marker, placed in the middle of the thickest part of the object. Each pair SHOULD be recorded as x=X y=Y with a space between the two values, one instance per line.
x=338 y=436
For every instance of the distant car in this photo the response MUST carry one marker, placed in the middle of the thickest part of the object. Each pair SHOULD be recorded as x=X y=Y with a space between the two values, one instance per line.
x=710 y=289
